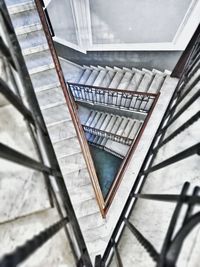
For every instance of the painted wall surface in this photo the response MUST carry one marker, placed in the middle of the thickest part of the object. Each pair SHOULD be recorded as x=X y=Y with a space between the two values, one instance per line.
x=61 y=17
x=133 y=21
x=140 y=59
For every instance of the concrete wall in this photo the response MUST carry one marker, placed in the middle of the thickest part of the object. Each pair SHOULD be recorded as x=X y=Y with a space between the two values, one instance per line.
x=140 y=59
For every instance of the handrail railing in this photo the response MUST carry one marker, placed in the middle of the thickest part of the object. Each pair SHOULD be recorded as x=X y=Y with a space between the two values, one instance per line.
x=122 y=99
x=174 y=239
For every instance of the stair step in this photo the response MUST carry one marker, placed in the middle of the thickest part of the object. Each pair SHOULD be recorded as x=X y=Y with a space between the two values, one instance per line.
x=50 y=97
x=100 y=121
x=72 y=163
x=147 y=71
x=111 y=123
x=156 y=83
x=35 y=49
x=44 y=78
x=85 y=76
x=96 y=119
x=55 y=114
x=116 y=79
x=92 y=77
x=105 y=122
x=86 y=208
x=135 y=81
x=122 y=126
x=21 y=7
x=91 y=221
x=27 y=29
x=81 y=194
x=34 y=60
x=117 y=148
x=116 y=125
x=135 y=129
x=26 y=17
x=32 y=40
x=128 y=128
x=90 y=118
x=67 y=147
x=61 y=130
x=145 y=83
x=125 y=80
x=108 y=78
x=41 y=69
x=100 y=78
x=77 y=178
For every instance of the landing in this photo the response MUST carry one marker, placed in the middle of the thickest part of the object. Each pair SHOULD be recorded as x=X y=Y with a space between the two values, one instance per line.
x=107 y=167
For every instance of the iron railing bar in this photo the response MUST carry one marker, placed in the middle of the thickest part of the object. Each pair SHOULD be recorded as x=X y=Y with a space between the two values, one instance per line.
x=19 y=158
x=179 y=130
x=37 y=148
x=5 y=51
x=112 y=89
x=195 y=149
x=24 y=251
x=118 y=257
x=191 y=205
x=143 y=241
x=15 y=101
x=172 y=225
x=169 y=198
x=180 y=112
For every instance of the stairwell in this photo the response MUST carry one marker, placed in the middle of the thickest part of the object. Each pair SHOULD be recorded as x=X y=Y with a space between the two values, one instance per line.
x=96 y=230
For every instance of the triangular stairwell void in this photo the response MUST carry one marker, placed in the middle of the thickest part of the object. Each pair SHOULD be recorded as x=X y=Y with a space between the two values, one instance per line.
x=114 y=106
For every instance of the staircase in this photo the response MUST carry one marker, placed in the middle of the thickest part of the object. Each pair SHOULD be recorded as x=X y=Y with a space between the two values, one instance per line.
x=95 y=229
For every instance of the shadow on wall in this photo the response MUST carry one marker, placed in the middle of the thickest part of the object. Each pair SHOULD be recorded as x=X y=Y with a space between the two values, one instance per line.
x=140 y=59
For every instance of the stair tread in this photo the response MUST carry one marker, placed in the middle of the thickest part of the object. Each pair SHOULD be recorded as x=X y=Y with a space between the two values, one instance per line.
x=85 y=76
x=108 y=78
x=116 y=125
x=122 y=126
x=116 y=79
x=156 y=83
x=134 y=82
x=117 y=147
x=125 y=80
x=137 y=125
x=92 y=77
x=100 y=77
x=145 y=82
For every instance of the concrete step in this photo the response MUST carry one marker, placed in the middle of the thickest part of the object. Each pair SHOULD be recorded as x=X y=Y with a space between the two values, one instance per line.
x=67 y=147
x=101 y=121
x=39 y=58
x=116 y=79
x=108 y=78
x=116 y=148
x=111 y=123
x=135 y=81
x=135 y=129
x=116 y=125
x=61 y=130
x=105 y=122
x=100 y=78
x=128 y=128
x=122 y=126
x=72 y=163
x=125 y=80
x=35 y=49
x=50 y=97
x=44 y=78
x=156 y=83
x=77 y=178
x=145 y=82
x=19 y=7
x=56 y=114
x=85 y=76
x=95 y=120
x=90 y=118
x=24 y=14
x=92 y=77
x=86 y=208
